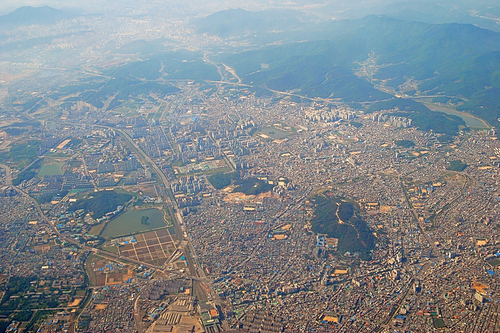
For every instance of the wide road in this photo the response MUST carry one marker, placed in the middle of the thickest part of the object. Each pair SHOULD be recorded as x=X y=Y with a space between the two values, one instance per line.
x=171 y=204
x=138 y=324
x=195 y=269
x=187 y=247
x=425 y=267
x=169 y=198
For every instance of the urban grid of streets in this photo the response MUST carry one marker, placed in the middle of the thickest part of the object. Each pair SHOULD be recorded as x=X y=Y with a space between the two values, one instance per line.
x=253 y=260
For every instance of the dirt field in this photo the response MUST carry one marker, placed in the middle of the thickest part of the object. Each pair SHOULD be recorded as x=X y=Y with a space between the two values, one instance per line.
x=152 y=247
x=100 y=306
x=243 y=198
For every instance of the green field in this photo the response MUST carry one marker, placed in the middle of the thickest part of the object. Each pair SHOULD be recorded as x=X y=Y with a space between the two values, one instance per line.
x=100 y=203
x=58 y=153
x=21 y=154
x=456 y=166
x=130 y=222
x=96 y=230
x=51 y=169
x=252 y=186
x=111 y=249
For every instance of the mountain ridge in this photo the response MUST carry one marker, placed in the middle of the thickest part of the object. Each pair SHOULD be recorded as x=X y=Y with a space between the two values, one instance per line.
x=27 y=15
x=240 y=22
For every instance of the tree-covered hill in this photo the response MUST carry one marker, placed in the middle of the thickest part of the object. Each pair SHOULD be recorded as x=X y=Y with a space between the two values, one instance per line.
x=353 y=233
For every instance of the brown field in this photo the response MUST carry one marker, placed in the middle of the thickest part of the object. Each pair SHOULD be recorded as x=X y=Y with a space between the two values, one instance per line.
x=104 y=277
x=9 y=77
x=242 y=197
x=75 y=302
x=100 y=280
x=5 y=145
x=100 y=306
x=480 y=288
x=148 y=190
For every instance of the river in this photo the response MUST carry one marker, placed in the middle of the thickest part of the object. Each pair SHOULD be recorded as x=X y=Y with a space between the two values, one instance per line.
x=470 y=121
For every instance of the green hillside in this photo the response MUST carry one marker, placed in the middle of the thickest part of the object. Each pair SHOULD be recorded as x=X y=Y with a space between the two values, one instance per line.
x=308 y=67
x=459 y=61
x=353 y=233
x=101 y=203
x=423 y=118
x=142 y=78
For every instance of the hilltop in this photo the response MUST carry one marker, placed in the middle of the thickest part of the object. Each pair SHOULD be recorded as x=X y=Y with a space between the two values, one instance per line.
x=28 y=15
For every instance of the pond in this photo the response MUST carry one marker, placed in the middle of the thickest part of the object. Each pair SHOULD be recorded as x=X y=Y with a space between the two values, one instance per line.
x=129 y=222
x=274 y=133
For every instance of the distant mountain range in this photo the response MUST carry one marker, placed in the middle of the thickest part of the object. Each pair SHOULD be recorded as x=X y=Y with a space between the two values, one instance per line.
x=459 y=61
x=28 y=15
x=367 y=61
x=240 y=22
x=436 y=13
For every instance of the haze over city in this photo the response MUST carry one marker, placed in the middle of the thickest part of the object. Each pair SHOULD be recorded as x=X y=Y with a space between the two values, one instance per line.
x=249 y=166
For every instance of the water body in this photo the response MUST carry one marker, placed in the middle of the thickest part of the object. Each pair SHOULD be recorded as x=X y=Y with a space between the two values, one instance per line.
x=130 y=222
x=469 y=120
x=274 y=133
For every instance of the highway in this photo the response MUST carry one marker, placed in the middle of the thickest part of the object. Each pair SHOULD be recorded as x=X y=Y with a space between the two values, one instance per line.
x=171 y=204
x=188 y=249
x=195 y=268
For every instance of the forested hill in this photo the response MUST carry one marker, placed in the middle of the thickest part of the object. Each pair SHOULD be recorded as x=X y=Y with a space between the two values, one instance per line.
x=326 y=60
x=339 y=219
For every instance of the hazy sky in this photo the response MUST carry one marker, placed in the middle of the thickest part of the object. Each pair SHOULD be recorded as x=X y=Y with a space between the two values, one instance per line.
x=210 y=6
x=95 y=5
x=182 y=6
x=9 y=5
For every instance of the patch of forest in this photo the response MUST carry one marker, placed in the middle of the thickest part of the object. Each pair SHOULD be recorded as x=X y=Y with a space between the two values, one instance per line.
x=352 y=231
x=100 y=203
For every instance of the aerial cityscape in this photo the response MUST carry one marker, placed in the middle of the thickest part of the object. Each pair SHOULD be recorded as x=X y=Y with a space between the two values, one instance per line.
x=255 y=167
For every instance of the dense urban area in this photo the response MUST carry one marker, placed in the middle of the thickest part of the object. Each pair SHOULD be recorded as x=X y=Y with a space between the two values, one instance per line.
x=214 y=206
